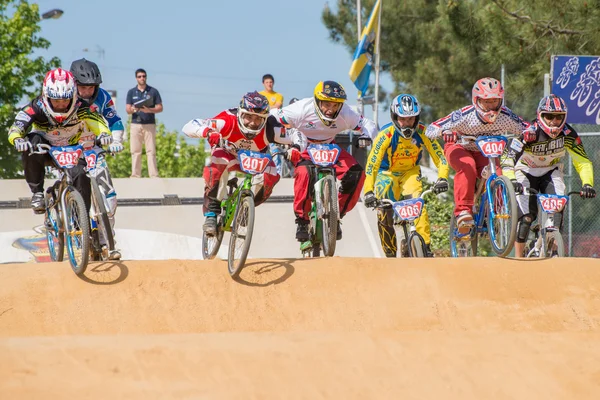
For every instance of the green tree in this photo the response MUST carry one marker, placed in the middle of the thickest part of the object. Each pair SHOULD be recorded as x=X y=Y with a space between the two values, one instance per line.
x=21 y=74
x=175 y=157
x=437 y=49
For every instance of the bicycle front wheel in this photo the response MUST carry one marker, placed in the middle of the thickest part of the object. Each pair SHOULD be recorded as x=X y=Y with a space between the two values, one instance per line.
x=416 y=245
x=329 y=221
x=77 y=231
x=241 y=235
x=54 y=234
x=502 y=218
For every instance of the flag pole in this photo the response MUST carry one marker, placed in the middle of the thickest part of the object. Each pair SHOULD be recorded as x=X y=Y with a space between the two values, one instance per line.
x=358 y=33
x=376 y=103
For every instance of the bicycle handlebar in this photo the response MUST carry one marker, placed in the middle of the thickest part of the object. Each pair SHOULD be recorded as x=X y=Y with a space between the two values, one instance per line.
x=382 y=202
x=534 y=192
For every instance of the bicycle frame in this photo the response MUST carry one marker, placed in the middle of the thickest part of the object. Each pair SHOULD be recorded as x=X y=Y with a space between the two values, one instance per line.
x=231 y=202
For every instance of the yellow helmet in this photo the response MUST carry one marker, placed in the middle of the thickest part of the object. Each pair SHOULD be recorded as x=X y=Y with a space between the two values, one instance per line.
x=329 y=91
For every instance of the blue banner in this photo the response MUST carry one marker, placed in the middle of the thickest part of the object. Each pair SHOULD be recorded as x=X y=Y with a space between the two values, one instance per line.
x=577 y=80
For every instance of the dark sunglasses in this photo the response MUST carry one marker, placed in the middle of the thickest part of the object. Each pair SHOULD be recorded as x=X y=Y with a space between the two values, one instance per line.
x=141 y=76
x=551 y=116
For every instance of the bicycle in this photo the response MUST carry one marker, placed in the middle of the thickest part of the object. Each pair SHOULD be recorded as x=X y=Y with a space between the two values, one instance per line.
x=324 y=213
x=547 y=240
x=495 y=207
x=237 y=213
x=66 y=217
x=100 y=222
x=405 y=213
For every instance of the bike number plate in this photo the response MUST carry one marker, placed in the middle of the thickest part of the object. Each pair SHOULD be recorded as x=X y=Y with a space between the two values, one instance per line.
x=67 y=156
x=552 y=203
x=252 y=162
x=409 y=210
x=492 y=146
x=324 y=155
x=90 y=159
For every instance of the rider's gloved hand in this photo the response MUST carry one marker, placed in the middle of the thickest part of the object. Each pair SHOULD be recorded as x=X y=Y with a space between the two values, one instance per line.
x=588 y=192
x=105 y=139
x=449 y=136
x=115 y=147
x=518 y=186
x=440 y=186
x=214 y=138
x=294 y=155
x=370 y=200
x=529 y=135
x=22 y=144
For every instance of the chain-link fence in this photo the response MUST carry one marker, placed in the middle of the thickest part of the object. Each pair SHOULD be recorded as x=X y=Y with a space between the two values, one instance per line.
x=581 y=229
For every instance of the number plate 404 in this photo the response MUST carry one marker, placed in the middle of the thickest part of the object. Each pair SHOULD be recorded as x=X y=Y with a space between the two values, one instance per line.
x=408 y=210
x=253 y=162
x=552 y=203
x=492 y=147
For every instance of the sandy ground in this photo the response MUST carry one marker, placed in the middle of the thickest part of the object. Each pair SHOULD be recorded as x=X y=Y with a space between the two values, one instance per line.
x=351 y=328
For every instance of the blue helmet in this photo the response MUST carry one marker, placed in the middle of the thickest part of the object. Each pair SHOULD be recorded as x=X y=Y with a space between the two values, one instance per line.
x=405 y=105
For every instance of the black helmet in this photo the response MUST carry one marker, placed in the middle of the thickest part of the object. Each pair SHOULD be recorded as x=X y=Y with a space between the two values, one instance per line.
x=293 y=100
x=87 y=73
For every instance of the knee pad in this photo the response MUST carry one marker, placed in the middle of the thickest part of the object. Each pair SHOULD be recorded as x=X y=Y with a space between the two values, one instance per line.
x=523 y=226
x=350 y=179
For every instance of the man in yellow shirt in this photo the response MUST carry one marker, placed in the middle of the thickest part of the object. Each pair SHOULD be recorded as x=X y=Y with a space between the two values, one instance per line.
x=275 y=99
x=393 y=169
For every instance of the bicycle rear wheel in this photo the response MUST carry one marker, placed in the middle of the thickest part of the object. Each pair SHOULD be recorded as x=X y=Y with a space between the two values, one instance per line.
x=212 y=244
x=77 y=231
x=241 y=235
x=103 y=222
x=416 y=245
x=555 y=246
x=329 y=221
x=463 y=246
x=502 y=219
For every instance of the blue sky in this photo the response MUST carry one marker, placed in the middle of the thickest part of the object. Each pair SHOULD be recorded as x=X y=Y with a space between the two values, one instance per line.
x=202 y=55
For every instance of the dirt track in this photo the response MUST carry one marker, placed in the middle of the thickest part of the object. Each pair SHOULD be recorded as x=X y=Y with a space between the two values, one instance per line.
x=328 y=328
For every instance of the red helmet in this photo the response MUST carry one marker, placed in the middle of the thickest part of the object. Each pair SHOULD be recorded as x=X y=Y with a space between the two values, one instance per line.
x=487 y=88
x=556 y=106
x=252 y=103
x=59 y=84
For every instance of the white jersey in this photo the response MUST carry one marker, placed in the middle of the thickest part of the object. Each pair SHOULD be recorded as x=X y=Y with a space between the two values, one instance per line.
x=302 y=115
x=466 y=121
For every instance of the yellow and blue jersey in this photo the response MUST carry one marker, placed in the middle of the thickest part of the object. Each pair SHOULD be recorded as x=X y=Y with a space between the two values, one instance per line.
x=394 y=153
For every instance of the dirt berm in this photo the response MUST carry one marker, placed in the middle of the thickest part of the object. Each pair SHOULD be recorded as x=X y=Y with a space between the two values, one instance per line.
x=339 y=328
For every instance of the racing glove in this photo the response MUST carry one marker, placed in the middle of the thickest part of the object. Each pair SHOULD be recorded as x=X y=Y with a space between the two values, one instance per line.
x=214 y=138
x=518 y=186
x=587 y=191
x=529 y=135
x=370 y=200
x=449 y=136
x=21 y=144
x=364 y=141
x=440 y=186
x=115 y=147
x=105 y=139
x=293 y=154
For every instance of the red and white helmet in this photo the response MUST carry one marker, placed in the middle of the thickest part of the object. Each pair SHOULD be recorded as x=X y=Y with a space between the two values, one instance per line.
x=59 y=85
x=487 y=88
x=552 y=105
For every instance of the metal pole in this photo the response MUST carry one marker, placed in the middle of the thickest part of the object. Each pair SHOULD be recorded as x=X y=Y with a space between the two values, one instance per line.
x=378 y=51
x=546 y=84
x=570 y=205
x=502 y=81
x=360 y=106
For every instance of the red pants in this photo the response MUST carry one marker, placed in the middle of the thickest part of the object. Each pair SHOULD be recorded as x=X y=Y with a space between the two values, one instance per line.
x=468 y=166
x=348 y=172
x=215 y=180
